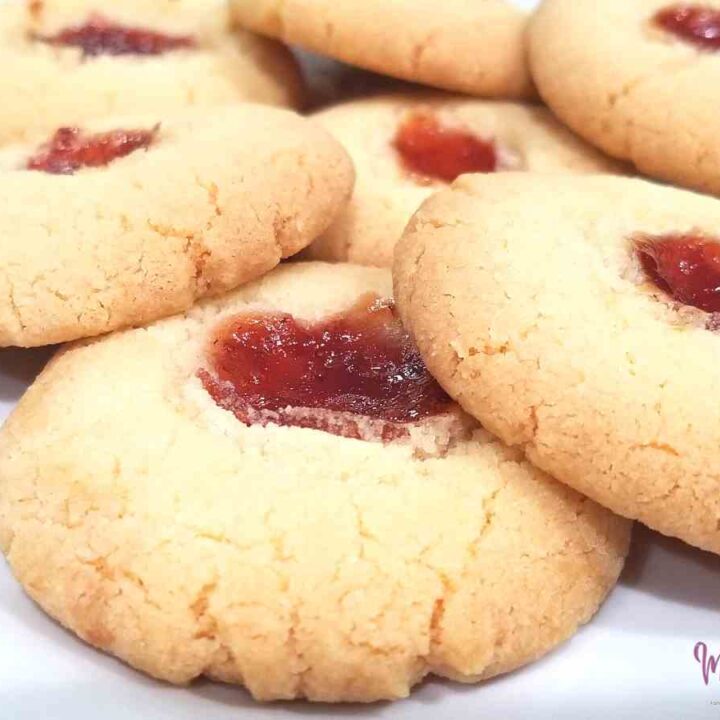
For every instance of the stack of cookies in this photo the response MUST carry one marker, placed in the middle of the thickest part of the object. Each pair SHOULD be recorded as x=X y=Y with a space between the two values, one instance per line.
x=418 y=448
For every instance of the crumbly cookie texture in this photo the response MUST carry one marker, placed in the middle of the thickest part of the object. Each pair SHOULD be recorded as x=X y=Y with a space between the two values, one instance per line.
x=45 y=85
x=294 y=562
x=528 y=303
x=629 y=87
x=386 y=194
x=217 y=199
x=472 y=47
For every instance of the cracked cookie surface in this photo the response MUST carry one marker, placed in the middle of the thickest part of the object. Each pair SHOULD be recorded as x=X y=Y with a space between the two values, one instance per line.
x=472 y=47
x=292 y=561
x=614 y=75
x=530 y=305
x=386 y=194
x=48 y=84
x=217 y=199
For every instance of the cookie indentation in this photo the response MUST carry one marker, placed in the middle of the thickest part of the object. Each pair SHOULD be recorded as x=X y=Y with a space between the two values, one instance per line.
x=685 y=266
x=430 y=150
x=99 y=36
x=356 y=374
x=697 y=24
x=71 y=149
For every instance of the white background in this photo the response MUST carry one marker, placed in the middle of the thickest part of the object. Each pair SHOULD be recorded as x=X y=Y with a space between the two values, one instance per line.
x=635 y=660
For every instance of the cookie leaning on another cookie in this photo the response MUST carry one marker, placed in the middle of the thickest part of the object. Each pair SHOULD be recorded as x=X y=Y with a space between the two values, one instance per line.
x=295 y=561
x=576 y=318
x=405 y=146
x=472 y=47
x=638 y=79
x=79 y=60
x=192 y=205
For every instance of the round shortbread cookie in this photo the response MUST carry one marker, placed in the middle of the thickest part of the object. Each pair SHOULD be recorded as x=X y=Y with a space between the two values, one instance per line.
x=565 y=314
x=293 y=561
x=202 y=203
x=631 y=78
x=74 y=61
x=470 y=46
x=388 y=192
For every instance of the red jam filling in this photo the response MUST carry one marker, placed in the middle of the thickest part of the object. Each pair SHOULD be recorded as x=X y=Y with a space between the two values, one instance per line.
x=356 y=374
x=70 y=149
x=698 y=24
x=99 y=36
x=431 y=150
x=687 y=267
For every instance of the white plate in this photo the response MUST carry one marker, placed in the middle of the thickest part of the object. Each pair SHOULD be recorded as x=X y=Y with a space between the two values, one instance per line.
x=635 y=660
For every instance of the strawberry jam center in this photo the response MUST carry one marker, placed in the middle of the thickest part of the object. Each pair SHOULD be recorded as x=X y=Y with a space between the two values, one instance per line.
x=71 y=149
x=686 y=267
x=338 y=375
x=98 y=36
x=431 y=150
x=698 y=24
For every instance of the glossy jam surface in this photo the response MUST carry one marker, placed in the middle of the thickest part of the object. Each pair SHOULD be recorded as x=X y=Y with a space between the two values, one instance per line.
x=430 y=150
x=336 y=375
x=99 y=36
x=698 y=24
x=71 y=149
x=687 y=267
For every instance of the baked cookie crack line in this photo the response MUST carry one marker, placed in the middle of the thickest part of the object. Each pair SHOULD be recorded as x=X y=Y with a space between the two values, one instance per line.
x=658 y=446
x=14 y=306
x=213 y=192
x=435 y=628
x=167 y=231
x=489 y=511
x=199 y=255
x=280 y=225
x=293 y=644
x=194 y=249
x=419 y=50
x=436 y=617
x=200 y=608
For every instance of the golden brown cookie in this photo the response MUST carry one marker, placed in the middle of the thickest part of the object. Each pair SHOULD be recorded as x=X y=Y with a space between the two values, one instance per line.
x=637 y=79
x=272 y=491
x=132 y=219
x=577 y=318
x=406 y=146
x=73 y=61
x=472 y=47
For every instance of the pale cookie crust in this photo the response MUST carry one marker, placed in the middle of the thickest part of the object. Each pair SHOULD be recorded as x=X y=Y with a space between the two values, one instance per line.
x=295 y=562
x=471 y=46
x=218 y=199
x=632 y=89
x=528 y=303
x=386 y=194
x=43 y=86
